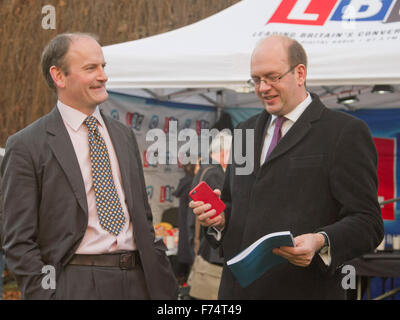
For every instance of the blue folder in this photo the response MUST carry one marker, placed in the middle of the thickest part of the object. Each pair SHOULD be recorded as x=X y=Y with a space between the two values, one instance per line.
x=248 y=265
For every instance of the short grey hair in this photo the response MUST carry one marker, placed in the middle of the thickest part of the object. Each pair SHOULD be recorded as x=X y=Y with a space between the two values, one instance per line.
x=222 y=141
x=54 y=54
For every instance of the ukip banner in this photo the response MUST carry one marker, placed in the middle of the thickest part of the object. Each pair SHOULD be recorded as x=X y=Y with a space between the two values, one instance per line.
x=145 y=115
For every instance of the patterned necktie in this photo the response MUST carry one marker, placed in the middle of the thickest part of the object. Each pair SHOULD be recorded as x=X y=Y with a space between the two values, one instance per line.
x=108 y=205
x=277 y=134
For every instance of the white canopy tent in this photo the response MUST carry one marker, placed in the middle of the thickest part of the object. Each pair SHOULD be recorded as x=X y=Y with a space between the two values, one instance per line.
x=350 y=49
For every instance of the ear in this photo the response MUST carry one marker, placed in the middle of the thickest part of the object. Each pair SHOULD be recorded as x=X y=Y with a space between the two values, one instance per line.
x=58 y=76
x=301 y=74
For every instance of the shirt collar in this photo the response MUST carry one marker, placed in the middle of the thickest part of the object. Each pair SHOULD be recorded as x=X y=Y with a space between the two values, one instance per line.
x=75 y=118
x=295 y=114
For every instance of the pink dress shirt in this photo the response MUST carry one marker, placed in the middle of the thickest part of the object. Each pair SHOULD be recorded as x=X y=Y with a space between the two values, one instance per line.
x=96 y=240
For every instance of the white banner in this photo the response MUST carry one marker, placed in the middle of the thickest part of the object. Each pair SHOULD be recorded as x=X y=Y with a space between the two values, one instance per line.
x=355 y=42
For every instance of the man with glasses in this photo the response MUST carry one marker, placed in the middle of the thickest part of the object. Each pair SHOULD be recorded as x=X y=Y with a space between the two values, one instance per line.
x=314 y=174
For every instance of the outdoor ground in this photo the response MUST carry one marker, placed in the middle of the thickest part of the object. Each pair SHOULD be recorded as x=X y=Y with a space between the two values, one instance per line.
x=10 y=289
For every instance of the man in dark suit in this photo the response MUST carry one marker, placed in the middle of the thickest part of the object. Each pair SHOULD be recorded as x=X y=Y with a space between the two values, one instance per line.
x=314 y=174
x=75 y=204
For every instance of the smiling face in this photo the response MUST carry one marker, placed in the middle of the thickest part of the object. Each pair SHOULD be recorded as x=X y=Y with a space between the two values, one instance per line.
x=83 y=86
x=269 y=60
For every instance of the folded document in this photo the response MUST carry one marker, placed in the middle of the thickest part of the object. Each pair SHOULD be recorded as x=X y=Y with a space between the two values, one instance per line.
x=254 y=261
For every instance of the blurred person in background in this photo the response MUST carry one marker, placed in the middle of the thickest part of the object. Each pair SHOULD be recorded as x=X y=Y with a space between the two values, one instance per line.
x=213 y=173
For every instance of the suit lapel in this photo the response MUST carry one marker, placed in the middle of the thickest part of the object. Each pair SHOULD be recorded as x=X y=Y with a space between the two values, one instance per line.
x=259 y=135
x=63 y=150
x=299 y=129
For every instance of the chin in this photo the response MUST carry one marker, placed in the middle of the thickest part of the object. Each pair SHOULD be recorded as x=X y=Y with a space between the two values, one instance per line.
x=102 y=98
x=275 y=110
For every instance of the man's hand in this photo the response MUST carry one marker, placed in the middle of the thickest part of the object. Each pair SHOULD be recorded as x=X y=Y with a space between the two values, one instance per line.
x=204 y=214
x=306 y=247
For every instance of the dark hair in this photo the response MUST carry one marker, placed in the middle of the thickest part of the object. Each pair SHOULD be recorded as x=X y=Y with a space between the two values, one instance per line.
x=189 y=169
x=296 y=54
x=54 y=54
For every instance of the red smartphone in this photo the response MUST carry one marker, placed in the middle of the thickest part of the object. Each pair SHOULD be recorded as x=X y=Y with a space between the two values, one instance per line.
x=203 y=192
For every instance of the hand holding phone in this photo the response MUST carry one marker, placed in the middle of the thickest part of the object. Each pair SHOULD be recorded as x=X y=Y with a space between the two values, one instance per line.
x=203 y=192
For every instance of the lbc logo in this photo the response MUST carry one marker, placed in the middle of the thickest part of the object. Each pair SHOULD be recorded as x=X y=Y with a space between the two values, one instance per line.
x=317 y=12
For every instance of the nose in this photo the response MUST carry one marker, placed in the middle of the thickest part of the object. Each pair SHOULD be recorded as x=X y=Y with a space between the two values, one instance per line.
x=264 y=86
x=102 y=75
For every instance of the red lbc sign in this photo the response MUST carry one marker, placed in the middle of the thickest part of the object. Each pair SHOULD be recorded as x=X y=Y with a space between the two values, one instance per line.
x=308 y=12
x=386 y=174
x=317 y=12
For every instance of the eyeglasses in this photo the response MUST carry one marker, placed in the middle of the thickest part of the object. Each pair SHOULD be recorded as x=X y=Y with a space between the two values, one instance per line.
x=255 y=82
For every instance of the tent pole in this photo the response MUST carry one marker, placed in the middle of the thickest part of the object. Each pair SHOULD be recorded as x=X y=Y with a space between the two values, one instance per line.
x=220 y=103
x=208 y=99
x=151 y=93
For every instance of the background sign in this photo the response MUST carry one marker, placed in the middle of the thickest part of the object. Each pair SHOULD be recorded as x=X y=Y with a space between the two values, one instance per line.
x=142 y=115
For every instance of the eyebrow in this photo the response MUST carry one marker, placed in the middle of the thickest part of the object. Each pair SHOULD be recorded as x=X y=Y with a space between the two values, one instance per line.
x=93 y=64
x=265 y=75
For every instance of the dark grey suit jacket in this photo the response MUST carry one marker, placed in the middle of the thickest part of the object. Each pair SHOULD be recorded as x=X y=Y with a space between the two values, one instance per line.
x=45 y=207
x=321 y=176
